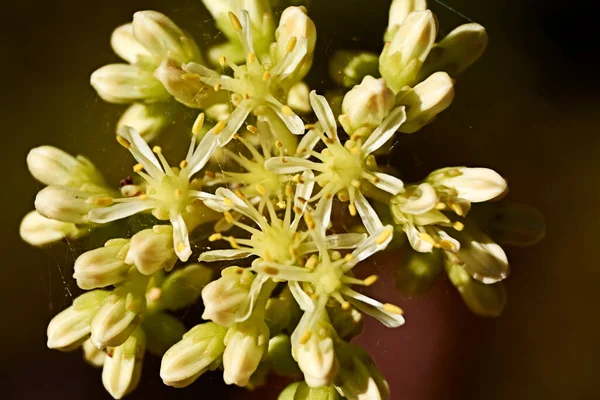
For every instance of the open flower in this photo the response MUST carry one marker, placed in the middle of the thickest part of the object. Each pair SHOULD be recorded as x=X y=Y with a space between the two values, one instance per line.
x=344 y=169
x=168 y=191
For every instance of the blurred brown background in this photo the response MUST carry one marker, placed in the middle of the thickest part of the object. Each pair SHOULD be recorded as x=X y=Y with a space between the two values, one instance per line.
x=528 y=108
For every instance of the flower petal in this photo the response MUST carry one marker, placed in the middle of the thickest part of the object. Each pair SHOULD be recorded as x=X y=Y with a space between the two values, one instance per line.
x=141 y=151
x=235 y=121
x=119 y=211
x=336 y=241
x=477 y=184
x=293 y=122
x=181 y=240
x=304 y=301
x=371 y=245
x=293 y=59
x=324 y=114
x=202 y=153
x=224 y=255
x=373 y=308
x=415 y=240
x=283 y=272
x=368 y=215
x=289 y=165
x=388 y=183
x=483 y=259
x=308 y=142
x=385 y=131
x=424 y=200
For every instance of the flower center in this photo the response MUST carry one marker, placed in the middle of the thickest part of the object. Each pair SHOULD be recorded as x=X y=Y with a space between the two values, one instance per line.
x=329 y=279
x=171 y=194
x=274 y=244
x=346 y=166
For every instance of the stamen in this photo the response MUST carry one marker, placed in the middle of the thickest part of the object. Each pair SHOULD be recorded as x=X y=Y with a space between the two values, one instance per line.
x=180 y=247
x=124 y=142
x=371 y=280
x=458 y=209
x=210 y=174
x=348 y=257
x=232 y=242
x=289 y=47
x=428 y=238
x=157 y=149
x=198 y=124
x=143 y=196
x=251 y=58
x=235 y=22
x=177 y=194
x=269 y=270
x=345 y=305
x=281 y=204
x=219 y=127
x=352 y=209
x=383 y=236
x=228 y=217
x=252 y=129
x=459 y=226
x=138 y=167
x=305 y=337
x=260 y=189
x=392 y=309
x=287 y=111
x=311 y=263
x=217 y=87
x=446 y=245
x=223 y=61
x=183 y=164
x=355 y=183
x=189 y=76
x=440 y=206
x=266 y=76
x=214 y=237
x=102 y=201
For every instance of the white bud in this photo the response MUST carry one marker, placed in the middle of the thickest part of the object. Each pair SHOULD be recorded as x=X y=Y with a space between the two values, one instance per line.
x=123 y=365
x=403 y=57
x=145 y=119
x=124 y=83
x=473 y=184
x=481 y=257
x=199 y=350
x=366 y=105
x=71 y=327
x=64 y=204
x=315 y=353
x=121 y=313
x=127 y=46
x=93 y=355
x=163 y=39
x=224 y=299
x=298 y=98
x=39 y=231
x=103 y=266
x=52 y=166
x=191 y=92
x=425 y=101
x=359 y=378
x=151 y=250
x=246 y=344
x=294 y=24
x=399 y=10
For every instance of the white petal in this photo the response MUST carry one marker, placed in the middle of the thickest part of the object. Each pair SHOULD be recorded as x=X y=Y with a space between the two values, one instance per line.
x=388 y=183
x=199 y=69
x=371 y=245
x=336 y=241
x=385 y=131
x=202 y=153
x=224 y=255
x=180 y=235
x=235 y=121
x=424 y=200
x=323 y=212
x=368 y=215
x=293 y=122
x=303 y=299
x=293 y=59
x=374 y=308
x=483 y=259
x=257 y=285
x=455 y=243
x=119 y=211
x=141 y=151
x=414 y=238
x=210 y=200
x=283 y=272
x=477 y=184
x=308 y=142
x=240 y=205
x=289 y=165
x=324 y=114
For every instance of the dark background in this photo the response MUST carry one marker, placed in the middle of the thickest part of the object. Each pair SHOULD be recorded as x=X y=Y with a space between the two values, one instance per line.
x=528 y=109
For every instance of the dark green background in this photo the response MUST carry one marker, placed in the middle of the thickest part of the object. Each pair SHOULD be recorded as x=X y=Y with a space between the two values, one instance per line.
x=527 y=109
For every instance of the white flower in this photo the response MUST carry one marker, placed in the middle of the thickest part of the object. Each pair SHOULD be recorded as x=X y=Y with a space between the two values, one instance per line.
x=399 y=10
x=168 y=191
x=40 y=231
x=151 y=250
x=145 y=119
x=246 y=344
x=92 y=355
x=481 y=257
x=359 y=378
x=103 y=266
x=68 y=204
x=472 y=184
x=123 y=365
x=126 y=46
x=344 y=168
x=125 y=83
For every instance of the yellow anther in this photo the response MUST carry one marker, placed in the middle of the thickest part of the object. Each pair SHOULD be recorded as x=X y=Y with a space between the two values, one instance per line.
x=232 y=242
x=252 y=129
x=305 y=337
x=246 y=96
x=459 y=226
x=180 y=247
x=198 y=124
x=251 y=58
x=278 y=144
x=189 y=76
x=183 y=164
x=287 y=111
x=123 y=142
x=440 y=206
x=157 y=149
x=239 y=193
x=154 y=294
x=383 y=236
x=297 y=210
x=446 y=245
x=219 y=127
x=352 y=209
x=235 y=22
x=311 y=263
x=348 y=257
x=355 y=183
x=370 y=280
x=289 y=47
x=392 y=309
x=375 y=180
x=143 y=197
x=343 y=196
x=236 y=136
x=228 y=202
x=266 y=76
x=458 y=209
x=217 y=87
x=260 y=189
x=209 y=174
x=138 y=167
x=269 y=270
x=294 y=251
x=228 y=217
x=289 y=191
x=177 y=194
x=346 y=305
x=309 y=126
x=103 y=201
x=428 y=238
x=281 y=204
x=222 y=61
x=214 y=237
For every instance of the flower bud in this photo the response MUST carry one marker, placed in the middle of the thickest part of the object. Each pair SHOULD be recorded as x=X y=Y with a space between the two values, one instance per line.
x=64 y=204
x=199 y=350
x=40 y=231
x=457 y=51
x=279 y=356
x=298 y=98
x=366 y=105
x=186 y=88
x=121 y=313
x=472 y=184
x=246 y=344
x=403 y=57
x=258 y=11
x=225 y=298
x=305 y=392
x=294 y=23
x=103 y=266
x=480 y=256
x=128 y=48
x=162 y=331
x=123 y=365
x=359 y=378
x=183 y=287
x=145 y=119
x=93 y=355
x=71 y=327
x=349 y=68
x=282 y=312
x=124 y=83
x=483 y=300
x=52 y=166
x=399 y=10
x=315 y=353
x=151 y=250
x=425 y=101
x=163 y=39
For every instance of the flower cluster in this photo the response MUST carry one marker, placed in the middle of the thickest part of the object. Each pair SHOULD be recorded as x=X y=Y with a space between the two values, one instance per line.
x=294 y=173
